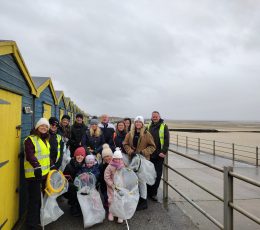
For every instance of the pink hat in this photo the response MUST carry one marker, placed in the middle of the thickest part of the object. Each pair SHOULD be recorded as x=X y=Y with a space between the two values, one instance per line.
x=80 y=151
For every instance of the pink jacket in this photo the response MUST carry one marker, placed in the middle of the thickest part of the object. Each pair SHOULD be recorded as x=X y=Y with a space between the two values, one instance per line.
x=109 y=179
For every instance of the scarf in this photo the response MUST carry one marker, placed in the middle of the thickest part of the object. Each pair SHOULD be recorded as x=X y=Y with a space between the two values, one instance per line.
x=117 y=165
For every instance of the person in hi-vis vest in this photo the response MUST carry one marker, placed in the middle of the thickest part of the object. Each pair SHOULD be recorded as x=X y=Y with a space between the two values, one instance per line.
x=36 y=168
x=161 y=136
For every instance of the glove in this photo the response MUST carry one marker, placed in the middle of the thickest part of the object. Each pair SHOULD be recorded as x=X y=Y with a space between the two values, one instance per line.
x=38 y=174
x=53 y=167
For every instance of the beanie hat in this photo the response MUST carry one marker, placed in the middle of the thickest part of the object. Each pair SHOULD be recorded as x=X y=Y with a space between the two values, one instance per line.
x=42 y=121
x=79 y=115
x=80 y=151
x=90 y=159
x=117 y=153
x=106 y=151
x=53 y=120
x=139 y=118
x=65 y=116
x=93 y=121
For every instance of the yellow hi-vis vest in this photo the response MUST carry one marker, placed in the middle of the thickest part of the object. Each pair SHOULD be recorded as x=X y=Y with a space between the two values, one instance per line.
x=42 y=153
x=161 y=133
x=58 y=138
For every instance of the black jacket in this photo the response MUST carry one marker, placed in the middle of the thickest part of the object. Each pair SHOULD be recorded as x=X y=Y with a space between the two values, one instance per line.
x=77 y=133
x=154 y=130
x=118 y=138
x=54 y=149
x=93 y=142
x=108 y=131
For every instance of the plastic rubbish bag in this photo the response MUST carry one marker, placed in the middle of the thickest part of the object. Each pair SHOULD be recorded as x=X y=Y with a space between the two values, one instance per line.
x=126 y=194
x=125 y=159
x=91 y=206
x=89 y=199
x=85 y=180
x=56 y=185
x=66 y=158
x=145 y=172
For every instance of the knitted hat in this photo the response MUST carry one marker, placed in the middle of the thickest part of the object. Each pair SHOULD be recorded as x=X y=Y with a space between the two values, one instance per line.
x=93 y=121
x=65 y=116
x=53 y=120
x=80 y=151
x=79 y=115
x=139 y=118
x=90 y=159
x=106 y=151
x=42 y=121
x=117 y=153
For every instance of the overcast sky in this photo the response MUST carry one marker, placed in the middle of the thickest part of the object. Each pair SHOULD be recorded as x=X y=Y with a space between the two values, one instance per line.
x=187 y=59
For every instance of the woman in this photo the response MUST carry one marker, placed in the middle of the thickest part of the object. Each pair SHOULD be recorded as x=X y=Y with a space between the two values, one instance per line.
x=119 y=135
x=36 y=168
x=127 y=122
x=139 y=140
x=94 y=138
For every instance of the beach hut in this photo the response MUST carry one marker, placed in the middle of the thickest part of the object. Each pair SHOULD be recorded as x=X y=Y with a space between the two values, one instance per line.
x=17 y=91
x=46 y=100
x=61 y=107
x=69 y=109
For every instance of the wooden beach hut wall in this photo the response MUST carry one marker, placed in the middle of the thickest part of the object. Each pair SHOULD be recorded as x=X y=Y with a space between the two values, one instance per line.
x=45 y=101
x=61 y=107
x=69 y=109
x=17 y=91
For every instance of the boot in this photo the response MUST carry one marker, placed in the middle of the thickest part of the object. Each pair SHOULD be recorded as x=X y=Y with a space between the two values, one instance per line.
x=142 y=204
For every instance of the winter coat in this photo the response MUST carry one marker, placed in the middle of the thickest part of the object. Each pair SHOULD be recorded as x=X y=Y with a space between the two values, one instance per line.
x=109 y=179
x=118 y=139
x=154 y=130
x=54 y=149
x=145 y=144
x=77 y=133
x=94 y=170
x=73 y=168
x=93 y=142
x=103 y=185
x=108 y=131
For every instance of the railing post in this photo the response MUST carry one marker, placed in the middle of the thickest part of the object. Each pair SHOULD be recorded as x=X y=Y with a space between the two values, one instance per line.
x=233 y=151
x=256 y=163
x=165 y=179
x=228 y=197
x=177 y=140
x=186 y=142
x=214 y=152
x=199 y=145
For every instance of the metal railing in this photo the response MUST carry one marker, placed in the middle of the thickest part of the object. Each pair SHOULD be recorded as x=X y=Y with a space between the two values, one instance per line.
x=229 y=205
x=244 y=153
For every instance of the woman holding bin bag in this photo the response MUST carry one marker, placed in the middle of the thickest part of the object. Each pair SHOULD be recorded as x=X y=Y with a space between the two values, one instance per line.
x=36 y=168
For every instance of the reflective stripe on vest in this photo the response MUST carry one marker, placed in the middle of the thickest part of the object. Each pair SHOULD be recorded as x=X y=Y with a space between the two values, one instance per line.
x=42 y=153
x=58 y=149
x=161 y=133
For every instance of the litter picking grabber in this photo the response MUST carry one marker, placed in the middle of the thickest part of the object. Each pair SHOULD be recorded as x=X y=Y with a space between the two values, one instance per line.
x=42 y=210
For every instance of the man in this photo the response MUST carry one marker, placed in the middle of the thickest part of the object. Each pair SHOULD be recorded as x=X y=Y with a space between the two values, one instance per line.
x=78 y=130
x=160 y=133
x=64 y=128
x=56 y=143
x=108 y=130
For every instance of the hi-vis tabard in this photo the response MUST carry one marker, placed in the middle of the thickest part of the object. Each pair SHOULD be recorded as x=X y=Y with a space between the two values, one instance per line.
x=161 y=133
x=42 y=153
x=58 y=138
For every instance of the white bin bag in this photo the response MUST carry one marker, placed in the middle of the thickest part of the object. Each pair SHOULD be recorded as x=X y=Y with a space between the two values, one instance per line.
x=66 y=158
x=126 y=194
x=145 y=172
x=125 y=159
x=89 y=200
x=56 y=185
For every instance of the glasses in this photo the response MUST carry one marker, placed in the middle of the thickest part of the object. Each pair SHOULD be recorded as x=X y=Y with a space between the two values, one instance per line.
x=55 y=125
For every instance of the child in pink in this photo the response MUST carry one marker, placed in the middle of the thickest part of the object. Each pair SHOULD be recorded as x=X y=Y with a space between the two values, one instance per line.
x=115 y=164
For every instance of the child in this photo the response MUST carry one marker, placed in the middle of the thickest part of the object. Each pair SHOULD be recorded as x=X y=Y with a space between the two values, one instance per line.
x=107 y=155
x=92 y=166
x=114 y=165
x=73 y=169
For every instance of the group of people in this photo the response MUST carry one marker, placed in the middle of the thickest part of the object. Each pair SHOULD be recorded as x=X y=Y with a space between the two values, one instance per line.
x=97 y=148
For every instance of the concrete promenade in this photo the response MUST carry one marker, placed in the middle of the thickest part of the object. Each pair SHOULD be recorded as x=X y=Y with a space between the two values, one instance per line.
x=245 y=195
